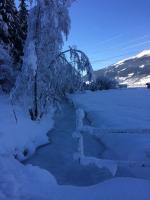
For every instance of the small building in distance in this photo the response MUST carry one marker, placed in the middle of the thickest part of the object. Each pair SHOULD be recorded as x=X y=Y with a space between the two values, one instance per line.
x=148 y=85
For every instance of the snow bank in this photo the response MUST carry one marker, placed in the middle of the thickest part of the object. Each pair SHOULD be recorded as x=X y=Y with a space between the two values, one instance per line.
x=19 y=182
x=21 y=138
x=115 y=189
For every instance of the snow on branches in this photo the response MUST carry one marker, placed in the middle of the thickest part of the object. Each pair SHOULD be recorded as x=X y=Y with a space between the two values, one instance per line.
x=47 y=73
x=38 y=84
x=78 y=61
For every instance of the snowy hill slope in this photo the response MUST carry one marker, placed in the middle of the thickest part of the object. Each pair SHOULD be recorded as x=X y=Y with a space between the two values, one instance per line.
x=134 y=71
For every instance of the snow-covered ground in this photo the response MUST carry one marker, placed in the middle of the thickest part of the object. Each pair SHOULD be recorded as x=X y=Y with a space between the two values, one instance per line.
x=120 y=121
x=58 y=156
x=107 y=110
x=125 y=108
x=20 y=138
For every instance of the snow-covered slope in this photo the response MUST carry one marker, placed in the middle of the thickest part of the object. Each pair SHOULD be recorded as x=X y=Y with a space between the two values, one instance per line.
x=134 y=71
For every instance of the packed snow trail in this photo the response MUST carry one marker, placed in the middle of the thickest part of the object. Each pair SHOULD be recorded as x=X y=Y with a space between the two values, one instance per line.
x=57 y=157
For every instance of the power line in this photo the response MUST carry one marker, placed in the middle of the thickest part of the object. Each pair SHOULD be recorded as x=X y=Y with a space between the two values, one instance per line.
x=124 y=45
x=112 y=57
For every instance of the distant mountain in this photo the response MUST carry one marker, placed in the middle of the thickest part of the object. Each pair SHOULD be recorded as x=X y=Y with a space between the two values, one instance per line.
x=134 y=71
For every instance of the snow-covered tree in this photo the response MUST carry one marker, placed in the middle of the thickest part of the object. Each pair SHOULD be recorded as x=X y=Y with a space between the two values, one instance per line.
x=6 y=20
x=72 y=64
x=9 y=24
x=22 y=16
x=47 y=75
x=7 y=40
x=48 y=21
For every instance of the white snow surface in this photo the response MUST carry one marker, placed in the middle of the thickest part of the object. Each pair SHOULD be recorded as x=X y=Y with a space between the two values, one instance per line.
x=23 y=135
x=121 y=108
x=19 y=182
x=124 y=110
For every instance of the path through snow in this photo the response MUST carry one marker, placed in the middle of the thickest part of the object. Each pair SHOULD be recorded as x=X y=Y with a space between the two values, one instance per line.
x=57 y=157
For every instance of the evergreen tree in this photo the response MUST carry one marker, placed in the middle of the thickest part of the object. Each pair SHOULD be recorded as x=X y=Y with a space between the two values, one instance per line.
x=23 y=25
x=7 y=21
x=9 y=24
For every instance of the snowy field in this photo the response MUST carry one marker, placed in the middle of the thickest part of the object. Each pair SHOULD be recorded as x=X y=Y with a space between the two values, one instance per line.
x=106 y=111
x=120 y=121
x=128 y=108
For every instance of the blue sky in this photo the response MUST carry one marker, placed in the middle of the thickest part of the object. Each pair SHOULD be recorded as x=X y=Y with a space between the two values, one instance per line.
x=110 y=30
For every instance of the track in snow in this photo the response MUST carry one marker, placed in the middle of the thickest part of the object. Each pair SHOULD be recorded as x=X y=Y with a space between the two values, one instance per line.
x=57 y=157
